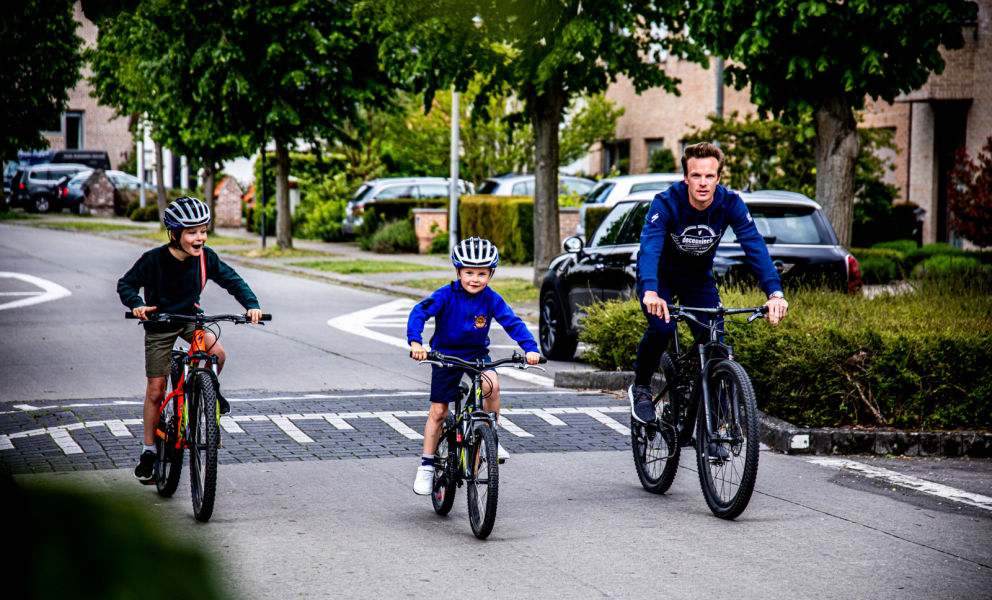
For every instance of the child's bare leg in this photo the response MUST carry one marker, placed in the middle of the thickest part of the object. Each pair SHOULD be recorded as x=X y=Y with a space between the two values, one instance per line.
x=490 y=390
x=210 y=341
x=432 y=430
x=154 y=396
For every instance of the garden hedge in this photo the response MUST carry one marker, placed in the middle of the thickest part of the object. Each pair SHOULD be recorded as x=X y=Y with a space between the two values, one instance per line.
x=908 y=361
x=507 y=221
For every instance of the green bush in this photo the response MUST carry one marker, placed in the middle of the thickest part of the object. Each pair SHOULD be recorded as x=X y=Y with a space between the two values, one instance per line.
x=595 y=216
x=507 y=221
x=321 y=209
x=132 y=205
x=951 y=266
x=902 y=246
x=879 y=265
x=440 y=243
x=147 y=213
x=385 y=211
x=911 y=361
x=395 y=238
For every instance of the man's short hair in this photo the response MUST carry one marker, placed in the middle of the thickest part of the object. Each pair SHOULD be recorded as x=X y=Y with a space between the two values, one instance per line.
x=701 y=150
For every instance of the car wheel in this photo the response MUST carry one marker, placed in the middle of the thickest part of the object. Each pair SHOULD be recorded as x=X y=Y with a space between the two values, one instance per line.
x=42 y=203
x=556 y=343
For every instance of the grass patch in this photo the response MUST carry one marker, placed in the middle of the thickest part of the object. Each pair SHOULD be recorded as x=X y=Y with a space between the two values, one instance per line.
x=512 y=289
x=160 y=235
x=360 y=266
x=10 y=215
x=86 y=225
x=277 y=252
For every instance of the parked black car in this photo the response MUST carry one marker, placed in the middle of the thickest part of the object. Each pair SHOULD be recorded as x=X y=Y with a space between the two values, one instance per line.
x=801 y=241
x=35 y=187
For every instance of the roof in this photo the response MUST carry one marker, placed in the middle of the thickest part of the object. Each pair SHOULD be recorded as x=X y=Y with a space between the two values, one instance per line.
x=757 y=197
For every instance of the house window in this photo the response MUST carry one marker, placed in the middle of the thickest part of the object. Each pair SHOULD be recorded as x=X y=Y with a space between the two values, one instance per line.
x=616 y=156
x=74 y=130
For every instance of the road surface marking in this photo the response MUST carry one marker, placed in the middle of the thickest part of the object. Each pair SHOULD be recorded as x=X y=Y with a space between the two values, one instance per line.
x=49 y=290
x=283 y=422
x=508 y=425
x=906 y=481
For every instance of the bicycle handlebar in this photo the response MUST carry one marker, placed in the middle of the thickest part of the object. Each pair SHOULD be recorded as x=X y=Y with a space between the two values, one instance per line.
x=446 y=360
x=685 y=313
x=174 y=318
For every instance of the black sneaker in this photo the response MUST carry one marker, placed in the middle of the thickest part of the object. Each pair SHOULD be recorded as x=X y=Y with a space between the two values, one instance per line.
x=718 y=452
x=223 y=404
x=145 y=471
x=641 y=405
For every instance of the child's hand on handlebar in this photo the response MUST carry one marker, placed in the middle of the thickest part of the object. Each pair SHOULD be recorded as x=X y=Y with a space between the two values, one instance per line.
x=142 y=312
x=254 y=314
x=417 y=351
x=532 y=358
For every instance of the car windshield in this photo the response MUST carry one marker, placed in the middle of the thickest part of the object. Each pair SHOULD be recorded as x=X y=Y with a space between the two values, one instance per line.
x=650 y=186
x=608 y=232
x=567 y=186
x=599 y=193
x=488 y=187
x=783 y=225
x=80 y=177
x=361 y=193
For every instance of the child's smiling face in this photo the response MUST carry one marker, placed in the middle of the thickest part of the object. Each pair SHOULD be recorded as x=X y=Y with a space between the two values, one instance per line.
x=474 y=279
x=192 y=240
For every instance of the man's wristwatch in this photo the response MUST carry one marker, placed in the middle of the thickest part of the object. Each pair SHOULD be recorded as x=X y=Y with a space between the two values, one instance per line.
x=776 y=295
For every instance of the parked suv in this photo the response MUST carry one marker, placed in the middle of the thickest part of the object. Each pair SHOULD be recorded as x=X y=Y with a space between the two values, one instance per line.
x=802 y=244
x=516 y=184
x=389 y=188
x=611 y=190
x=36 y=186
x=71 y=194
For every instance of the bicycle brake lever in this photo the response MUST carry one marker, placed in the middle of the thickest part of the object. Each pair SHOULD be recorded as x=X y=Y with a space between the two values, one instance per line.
x=756 y=315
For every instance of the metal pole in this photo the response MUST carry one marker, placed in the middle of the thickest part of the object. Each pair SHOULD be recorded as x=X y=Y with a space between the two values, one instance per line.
x=141 y=161
x=719 y=88
x=453 y=184
x=261 y=189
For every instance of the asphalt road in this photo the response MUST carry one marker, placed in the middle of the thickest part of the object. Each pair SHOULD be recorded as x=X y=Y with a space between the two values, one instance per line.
x=321 y=447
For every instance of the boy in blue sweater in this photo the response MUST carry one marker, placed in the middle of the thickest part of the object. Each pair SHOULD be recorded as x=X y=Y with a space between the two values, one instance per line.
x=681 y=231
x=463 y=312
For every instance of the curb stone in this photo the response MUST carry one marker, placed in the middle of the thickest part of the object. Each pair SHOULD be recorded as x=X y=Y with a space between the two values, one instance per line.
x=790 y=439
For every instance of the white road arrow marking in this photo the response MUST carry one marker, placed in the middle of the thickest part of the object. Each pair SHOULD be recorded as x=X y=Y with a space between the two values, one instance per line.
x=49 y=291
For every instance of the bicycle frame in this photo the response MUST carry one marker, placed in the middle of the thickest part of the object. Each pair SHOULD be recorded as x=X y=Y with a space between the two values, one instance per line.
x=196 y=360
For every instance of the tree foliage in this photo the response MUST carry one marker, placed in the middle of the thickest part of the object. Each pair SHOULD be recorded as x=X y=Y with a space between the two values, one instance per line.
x=823 y=58
x=969 y=196
x=41 y=57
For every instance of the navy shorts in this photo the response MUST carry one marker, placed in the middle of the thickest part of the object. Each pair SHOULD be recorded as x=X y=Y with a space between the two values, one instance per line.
x=444 y=380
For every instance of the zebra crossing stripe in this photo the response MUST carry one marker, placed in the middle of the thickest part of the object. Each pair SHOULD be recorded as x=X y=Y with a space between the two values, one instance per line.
x=608 y=421
x=400 y=427
x=230 y=425
x=508 y=425
x=117 y=428
x=283 y=422
x=338 y=422
x=64 y=441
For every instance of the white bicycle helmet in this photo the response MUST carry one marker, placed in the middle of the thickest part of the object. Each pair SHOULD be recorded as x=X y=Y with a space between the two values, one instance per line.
x=186 y=212
x=475 y=252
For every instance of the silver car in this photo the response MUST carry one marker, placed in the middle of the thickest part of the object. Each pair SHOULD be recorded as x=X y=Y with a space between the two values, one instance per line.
x=389 y=188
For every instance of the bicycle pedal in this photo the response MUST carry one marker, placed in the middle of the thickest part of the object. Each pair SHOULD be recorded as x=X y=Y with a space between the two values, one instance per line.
x=500 y=461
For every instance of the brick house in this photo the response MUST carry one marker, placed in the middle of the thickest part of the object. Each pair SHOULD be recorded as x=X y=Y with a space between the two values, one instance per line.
x=952 y=110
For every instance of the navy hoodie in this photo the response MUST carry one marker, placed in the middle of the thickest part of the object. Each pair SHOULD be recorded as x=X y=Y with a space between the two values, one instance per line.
x=678 y=242
x=462 y=321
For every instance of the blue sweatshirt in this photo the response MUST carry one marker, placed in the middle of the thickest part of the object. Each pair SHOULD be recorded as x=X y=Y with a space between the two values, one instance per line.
x=462 y=320
x=678 y=242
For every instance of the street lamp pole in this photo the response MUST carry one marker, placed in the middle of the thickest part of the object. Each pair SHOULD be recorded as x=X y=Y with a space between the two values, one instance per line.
x=453 y=184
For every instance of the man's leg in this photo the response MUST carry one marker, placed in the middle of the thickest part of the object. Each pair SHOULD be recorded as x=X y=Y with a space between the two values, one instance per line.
x=649 y=350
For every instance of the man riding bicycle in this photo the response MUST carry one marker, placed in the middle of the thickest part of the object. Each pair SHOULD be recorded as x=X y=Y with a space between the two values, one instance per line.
x=681 y=232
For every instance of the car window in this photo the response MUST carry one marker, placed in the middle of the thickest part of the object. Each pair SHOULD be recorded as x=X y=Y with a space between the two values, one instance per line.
x=784 y=225
x=567 y=186
x=433 y=191
x=361 y=193
x=395 y=191
x=599 y=193
x=609 y=230
x=631 y=232
x=488 y=187
x=524 y=188
x=649 y=186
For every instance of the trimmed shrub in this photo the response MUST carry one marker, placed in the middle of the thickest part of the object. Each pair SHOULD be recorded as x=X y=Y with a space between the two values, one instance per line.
x=879 y=265
x=439 y=245
x=507 y=221
x=902 y=246
x=395 y=238
x=909 y=361
x=147 y=213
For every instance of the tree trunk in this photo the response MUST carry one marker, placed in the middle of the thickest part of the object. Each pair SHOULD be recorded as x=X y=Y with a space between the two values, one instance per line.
x=836 y=156
x=160 y=179
x=284 y=221
x=209 y=175
x=546 y=112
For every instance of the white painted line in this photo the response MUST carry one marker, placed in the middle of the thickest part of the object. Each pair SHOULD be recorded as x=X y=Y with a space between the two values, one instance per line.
x=116 y=427
x=230 y=425
x=64 y=441
x=25 y=407
x=400 y=427
x=907 y=481
x=283 y=422
x=549 y=418
x=338 y=422
x=512 y=427
x=608 y=421
x=50 y=290
x=5 y=443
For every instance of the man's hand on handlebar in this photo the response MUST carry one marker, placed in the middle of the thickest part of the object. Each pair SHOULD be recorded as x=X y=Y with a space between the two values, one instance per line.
x=655 y=305
x=777 y=307
x=142 y=312
x=417 y=351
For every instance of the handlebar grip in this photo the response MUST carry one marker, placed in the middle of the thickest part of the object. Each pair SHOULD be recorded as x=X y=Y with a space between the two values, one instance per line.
x=265 y=317
x=542 y=360
x=129 y=315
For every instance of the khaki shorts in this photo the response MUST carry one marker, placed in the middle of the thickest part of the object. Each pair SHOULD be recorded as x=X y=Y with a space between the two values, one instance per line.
x=158 y=349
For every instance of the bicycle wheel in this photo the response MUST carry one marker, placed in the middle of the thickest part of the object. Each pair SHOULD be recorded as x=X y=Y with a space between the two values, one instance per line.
x=656 y=453
x=728 y=464
x=204 y=434
x=483 y=484
x=445 y=463
x=169 y=449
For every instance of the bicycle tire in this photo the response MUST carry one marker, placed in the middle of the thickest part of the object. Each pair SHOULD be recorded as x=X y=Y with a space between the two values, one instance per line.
x=727 y=475
x=483 y=483
x=445 y=463
x=656 y=451
x=169 y=450
x=204 y=435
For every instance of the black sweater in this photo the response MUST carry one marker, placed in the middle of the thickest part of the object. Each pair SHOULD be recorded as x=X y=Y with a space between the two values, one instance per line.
x=173 y=285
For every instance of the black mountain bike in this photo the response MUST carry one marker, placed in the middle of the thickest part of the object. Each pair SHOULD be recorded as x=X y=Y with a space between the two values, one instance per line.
x=708 y=392
x=188 y=417
x=467 y=449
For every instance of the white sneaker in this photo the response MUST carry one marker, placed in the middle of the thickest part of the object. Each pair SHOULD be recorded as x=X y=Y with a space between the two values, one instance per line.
x=424 y=483
x=501 y=453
